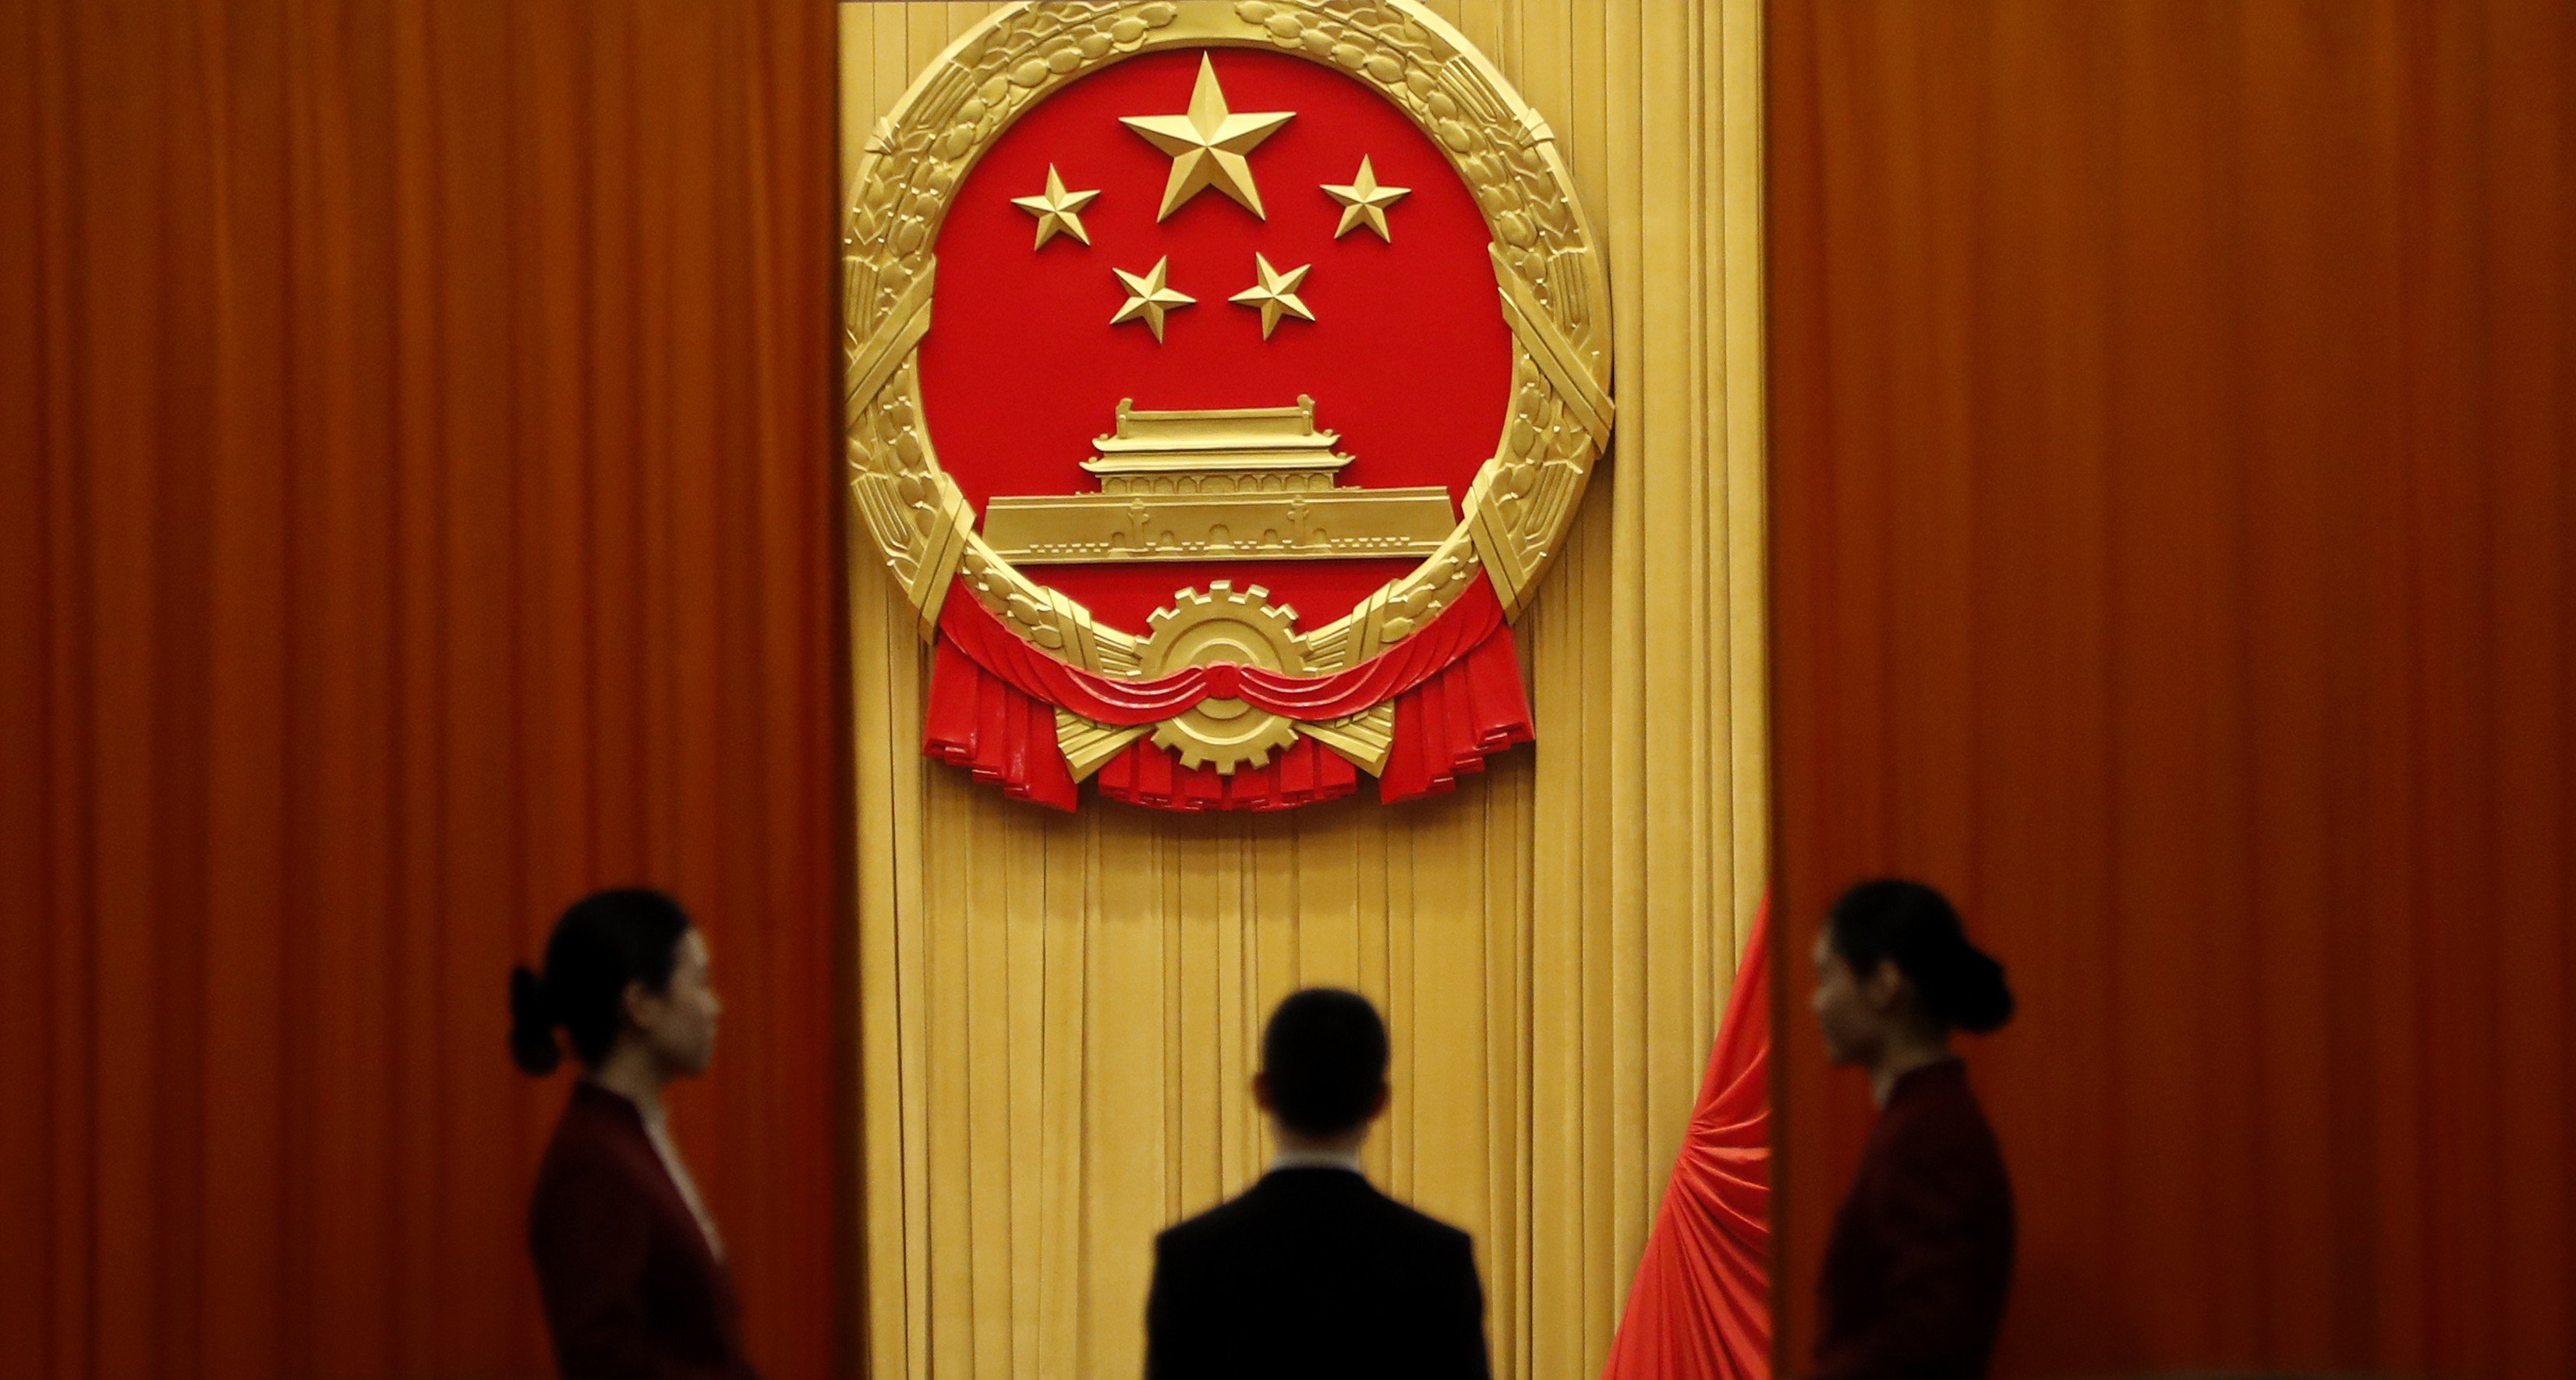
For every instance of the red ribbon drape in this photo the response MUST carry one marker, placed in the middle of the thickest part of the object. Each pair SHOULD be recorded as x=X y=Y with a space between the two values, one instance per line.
x=1701 y=1307
x=1305 y=773
x=976 y=631
x=1456 y=685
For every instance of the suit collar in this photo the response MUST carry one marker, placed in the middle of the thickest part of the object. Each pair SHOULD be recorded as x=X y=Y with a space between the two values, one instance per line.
x=1316 y=1159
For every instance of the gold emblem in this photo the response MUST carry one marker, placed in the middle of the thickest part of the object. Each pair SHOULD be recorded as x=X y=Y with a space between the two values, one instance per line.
x=1149 y=297
x=1208 y=145
x=1057 y=209
x=1548 y=271
x=1364 y=202
x=1275 y=295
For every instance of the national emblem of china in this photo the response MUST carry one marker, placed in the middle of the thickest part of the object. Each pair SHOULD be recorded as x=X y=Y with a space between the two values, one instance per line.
x=1221 y=379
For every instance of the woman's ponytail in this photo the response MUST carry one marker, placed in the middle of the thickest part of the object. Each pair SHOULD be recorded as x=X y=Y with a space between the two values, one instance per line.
x=1966 y=991
x=1913 y=926
x=532 y=1024
x=604 y=943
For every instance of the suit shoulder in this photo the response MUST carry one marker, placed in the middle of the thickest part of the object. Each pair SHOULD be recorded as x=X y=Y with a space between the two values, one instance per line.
x=584 y=1160
x=579 y=1141
x=1430 y=1234
x=1213 y=1224
x=1944 y=1129
x=1424 y=1222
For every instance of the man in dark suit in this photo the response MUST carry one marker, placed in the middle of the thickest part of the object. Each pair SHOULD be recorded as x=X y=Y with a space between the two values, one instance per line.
x=1313 y=1273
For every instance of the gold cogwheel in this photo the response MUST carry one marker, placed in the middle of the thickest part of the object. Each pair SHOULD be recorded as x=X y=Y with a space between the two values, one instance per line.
x=1224 y=625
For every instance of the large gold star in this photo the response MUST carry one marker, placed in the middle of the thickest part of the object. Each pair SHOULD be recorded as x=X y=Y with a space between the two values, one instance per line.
x=1207 y=145
x=1057 y=209
x=1275 y=294
x=1149 y=298
x=1363 y=201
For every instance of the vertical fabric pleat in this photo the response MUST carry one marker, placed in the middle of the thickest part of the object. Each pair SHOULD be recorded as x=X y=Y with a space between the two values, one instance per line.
x=2172 y=479
x=415 y=509
x=1060 y=1015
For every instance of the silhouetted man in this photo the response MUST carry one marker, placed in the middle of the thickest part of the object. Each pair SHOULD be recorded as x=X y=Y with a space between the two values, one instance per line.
x=1313 y=1273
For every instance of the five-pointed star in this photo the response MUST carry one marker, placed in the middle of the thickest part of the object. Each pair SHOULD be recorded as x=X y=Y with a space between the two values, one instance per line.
x=1207 y=145
x=1149 y=298
x=1364 y=200
x=1275 y=294
x=1057 y=209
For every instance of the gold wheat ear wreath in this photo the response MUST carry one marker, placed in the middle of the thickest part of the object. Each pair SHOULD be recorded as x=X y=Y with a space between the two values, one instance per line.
x=1549 y=276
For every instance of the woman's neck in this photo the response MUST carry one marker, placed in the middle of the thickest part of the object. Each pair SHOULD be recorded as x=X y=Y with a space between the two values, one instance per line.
x=631 y=1072
x=1903 y=1056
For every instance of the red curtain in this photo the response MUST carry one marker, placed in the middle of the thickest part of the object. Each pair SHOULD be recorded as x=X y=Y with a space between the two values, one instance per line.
x=415 y=508
x=1701 y=1306
x=2175 y=506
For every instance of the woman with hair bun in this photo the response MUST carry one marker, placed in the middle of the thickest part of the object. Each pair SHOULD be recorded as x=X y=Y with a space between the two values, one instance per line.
x=1921 y=1255
x=629 y=1264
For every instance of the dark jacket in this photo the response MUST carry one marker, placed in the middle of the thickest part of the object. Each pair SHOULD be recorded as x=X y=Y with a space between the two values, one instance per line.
x=631 y=1289
x=1314 y=1273
x=1922 y=1251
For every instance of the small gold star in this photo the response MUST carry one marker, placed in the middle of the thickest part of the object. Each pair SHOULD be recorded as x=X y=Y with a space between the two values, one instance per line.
x=1365 y=201
x=1149 y=298
x=1057 y=209
x=1207 y=145
x=1275 y=294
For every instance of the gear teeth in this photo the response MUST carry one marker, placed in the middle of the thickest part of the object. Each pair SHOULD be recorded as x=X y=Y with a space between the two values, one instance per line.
x=1185 y=599
x=1197 y=743
x=1253 y=600
x=1193 y=753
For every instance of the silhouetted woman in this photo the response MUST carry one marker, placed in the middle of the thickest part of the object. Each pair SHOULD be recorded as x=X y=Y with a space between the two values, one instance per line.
x=629 y=1264
x=1922 y=1250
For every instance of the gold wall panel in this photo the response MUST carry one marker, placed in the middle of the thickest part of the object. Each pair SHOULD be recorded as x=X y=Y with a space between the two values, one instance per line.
x=1058 y=1015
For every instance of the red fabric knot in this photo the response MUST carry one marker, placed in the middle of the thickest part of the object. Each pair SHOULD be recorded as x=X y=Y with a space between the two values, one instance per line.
x=1225 y=681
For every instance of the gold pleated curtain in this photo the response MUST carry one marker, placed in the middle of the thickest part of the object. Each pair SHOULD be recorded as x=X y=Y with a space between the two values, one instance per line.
x=1058 y=1016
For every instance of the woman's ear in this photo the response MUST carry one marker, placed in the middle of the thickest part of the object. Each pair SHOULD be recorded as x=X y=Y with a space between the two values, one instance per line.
x=1883 y=986
x=636 y=1004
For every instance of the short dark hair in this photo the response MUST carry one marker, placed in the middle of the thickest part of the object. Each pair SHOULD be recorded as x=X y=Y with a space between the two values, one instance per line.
x=1891 y=920
x=604 y=942
x=1325 y=1054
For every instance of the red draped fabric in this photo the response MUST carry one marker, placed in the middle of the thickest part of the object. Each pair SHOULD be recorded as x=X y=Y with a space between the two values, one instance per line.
x=1305 y=773
x=1462 y=627
x=1456 y=686
x=1701 y=1306
x=411 y=516
x=2174 y=548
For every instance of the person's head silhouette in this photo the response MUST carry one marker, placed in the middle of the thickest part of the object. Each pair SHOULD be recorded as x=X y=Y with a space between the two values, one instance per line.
x=1323 y=1070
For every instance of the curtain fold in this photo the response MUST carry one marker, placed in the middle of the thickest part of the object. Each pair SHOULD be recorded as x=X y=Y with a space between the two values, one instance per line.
x=2173 y=530
x=415 y=509
x=1701 y=1306
x=1060 y=1013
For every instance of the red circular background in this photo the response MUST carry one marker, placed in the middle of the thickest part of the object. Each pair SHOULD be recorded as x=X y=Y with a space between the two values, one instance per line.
x=1409 y=357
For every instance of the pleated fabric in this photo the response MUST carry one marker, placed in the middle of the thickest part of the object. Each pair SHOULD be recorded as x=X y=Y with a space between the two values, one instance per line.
x=415 y=509
x=2175 y=521
x=1701 y=1306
